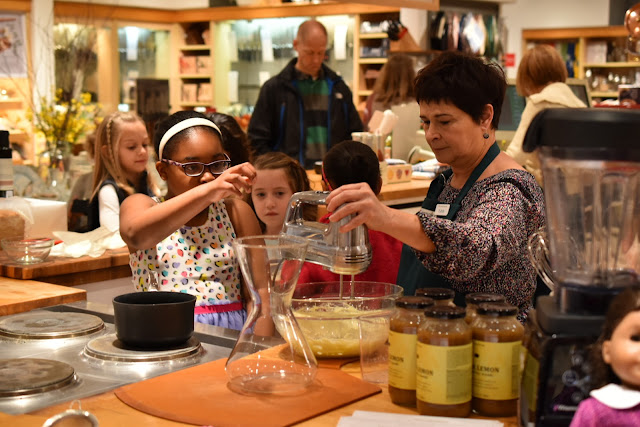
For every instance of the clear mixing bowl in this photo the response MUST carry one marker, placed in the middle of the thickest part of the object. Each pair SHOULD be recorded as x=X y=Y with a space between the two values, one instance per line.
x=329 y=319
x=27 y=251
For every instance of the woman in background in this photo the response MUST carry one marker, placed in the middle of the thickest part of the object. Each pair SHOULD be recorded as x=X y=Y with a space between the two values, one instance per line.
x=541 y=77
x=394 y=86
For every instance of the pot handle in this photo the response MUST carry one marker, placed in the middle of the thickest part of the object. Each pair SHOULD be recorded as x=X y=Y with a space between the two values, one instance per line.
x=539 y=256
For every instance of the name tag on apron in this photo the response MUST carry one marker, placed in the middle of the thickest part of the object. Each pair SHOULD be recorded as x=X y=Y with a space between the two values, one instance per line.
x=442 y=209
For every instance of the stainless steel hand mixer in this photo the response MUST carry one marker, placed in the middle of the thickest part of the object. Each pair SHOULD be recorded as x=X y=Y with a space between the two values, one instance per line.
x=342 y=253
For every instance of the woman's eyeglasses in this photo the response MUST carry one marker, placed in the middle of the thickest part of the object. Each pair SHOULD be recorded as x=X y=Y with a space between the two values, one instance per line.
x=196 y=168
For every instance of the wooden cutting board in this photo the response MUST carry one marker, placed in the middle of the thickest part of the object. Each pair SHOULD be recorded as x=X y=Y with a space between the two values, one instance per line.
x=17 y=296
x=199 y=396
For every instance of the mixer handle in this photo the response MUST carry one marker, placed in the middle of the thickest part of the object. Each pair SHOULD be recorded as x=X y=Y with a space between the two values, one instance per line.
x=539 y=255
x=294 y=211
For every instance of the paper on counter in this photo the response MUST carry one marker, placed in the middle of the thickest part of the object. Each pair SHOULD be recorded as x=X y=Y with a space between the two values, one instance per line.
x=340 y=42
x=92 y=243
x=383 y=419
x=232 y=86
x=48 y=216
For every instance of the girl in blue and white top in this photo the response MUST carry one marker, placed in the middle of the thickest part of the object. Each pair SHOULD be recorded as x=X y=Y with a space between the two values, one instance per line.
x=185 y=238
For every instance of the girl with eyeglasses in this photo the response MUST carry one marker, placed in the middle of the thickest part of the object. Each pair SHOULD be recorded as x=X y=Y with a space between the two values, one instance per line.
x=121 y=156
x=183 y=242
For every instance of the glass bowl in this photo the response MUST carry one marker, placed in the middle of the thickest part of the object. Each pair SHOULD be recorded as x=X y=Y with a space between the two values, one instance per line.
x=27 y=251
x=329 y=319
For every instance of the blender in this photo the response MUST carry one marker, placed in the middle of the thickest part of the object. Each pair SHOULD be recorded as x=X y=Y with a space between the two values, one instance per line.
x=590 y=162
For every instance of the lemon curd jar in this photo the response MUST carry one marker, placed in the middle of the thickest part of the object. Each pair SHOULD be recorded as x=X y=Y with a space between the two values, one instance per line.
x=403 y=339
x=474 y=299
x=440 y=296
x=497 y=342
x=444 y=361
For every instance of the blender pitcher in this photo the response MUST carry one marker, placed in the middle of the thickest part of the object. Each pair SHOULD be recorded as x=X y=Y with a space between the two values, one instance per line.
x=590 y=162
x=271 y=354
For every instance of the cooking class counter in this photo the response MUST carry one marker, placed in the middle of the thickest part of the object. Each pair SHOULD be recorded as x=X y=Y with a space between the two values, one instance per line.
x=112 y=264
x=111 y=411
x=17 y=296
x=402 y=193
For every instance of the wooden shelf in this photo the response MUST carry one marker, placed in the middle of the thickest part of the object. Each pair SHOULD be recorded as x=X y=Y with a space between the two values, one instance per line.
x=196 y=48
x=365 y=92
x=372 y=61
x=195 y=104
x=629 y=64
x=373 y=35
x=600 y=94
x=18 y=137
x=10 y=103
x=195 y=76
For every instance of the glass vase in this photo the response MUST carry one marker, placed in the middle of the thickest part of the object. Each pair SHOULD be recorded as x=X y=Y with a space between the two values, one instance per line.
x=54 y=172
x=271 y=354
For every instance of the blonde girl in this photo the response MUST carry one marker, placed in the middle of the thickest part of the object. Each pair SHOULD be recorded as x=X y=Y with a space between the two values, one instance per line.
x=121 y=156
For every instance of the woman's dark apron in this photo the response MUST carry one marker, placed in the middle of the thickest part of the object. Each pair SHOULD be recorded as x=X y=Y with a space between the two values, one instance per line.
x=412 y=273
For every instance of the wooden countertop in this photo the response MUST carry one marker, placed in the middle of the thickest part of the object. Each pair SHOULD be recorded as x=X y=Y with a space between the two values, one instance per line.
x=110 y=411
x=17 y=296
x=113 y=264
x=390 y=194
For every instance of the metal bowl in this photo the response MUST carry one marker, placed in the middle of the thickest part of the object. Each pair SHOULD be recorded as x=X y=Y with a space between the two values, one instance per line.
x=329 y=318
x=27 y=251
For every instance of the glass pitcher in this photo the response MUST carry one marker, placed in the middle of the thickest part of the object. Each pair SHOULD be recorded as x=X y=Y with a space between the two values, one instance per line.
x=271 y=354
x=590 y=162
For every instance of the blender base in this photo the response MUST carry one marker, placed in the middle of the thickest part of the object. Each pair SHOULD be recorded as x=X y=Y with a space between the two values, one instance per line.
x=553 y=321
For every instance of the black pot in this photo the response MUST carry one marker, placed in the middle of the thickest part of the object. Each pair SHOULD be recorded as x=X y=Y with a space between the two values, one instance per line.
x=154 y=319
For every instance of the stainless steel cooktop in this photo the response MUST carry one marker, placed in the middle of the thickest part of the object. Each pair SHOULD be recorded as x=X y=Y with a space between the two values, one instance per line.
x=70 y=351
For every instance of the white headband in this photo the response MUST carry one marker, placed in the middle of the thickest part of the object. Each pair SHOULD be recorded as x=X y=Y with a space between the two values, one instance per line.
x=179 y=127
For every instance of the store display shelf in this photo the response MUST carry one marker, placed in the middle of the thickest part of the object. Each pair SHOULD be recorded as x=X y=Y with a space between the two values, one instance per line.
x=604 y=94
x=628 y=64
x=18 y=137
x=10 y=103
x=365 y=92
x=195 y=104
x=372 y=61
x=195 y=76
x=196 y=48
x=373 y=35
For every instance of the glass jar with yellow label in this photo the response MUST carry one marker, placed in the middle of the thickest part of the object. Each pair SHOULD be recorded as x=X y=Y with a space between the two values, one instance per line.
x=444 y=361
x=441 y=296
x=497 y=342
x=474 y=299
x=403 y=338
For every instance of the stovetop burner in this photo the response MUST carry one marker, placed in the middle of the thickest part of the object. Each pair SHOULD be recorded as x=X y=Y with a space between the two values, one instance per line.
x=50 y=325
x=109 y=347
x=20 y=377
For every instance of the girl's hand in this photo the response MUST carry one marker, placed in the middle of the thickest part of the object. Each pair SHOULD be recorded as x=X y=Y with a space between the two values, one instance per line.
x=234 y=181
x=357 y=200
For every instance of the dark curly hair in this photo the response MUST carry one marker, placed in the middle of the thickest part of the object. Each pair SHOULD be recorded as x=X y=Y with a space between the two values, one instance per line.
x=466 y=81
x=234 y=139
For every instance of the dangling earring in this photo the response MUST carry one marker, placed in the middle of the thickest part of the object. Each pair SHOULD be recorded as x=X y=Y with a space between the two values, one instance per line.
x=485 y=135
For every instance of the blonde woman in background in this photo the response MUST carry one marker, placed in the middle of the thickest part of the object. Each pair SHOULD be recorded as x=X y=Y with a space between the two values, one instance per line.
x=121 y=156
x=394 y=86
x=541 y=80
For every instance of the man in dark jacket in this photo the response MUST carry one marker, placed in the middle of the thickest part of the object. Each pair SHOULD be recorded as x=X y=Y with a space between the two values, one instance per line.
x=307 y=108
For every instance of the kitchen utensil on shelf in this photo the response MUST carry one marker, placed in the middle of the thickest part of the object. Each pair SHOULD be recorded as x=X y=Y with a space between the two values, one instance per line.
x=154 y=319
x=329 y=319
x=27 y=251
x=271 y=354
x=343 y=253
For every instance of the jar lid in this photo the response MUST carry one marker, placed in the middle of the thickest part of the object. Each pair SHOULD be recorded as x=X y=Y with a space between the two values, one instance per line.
x=414 y=302
x=497 y=309
x=445 y=312
x=436 y=293
x=480 y=297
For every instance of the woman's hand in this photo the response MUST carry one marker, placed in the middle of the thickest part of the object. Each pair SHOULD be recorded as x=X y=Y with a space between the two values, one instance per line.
x=359 y=201
x=233 y=182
